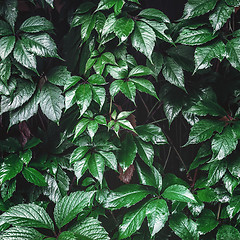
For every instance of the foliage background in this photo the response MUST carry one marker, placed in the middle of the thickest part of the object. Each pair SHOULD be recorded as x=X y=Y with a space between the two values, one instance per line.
x=119 y=119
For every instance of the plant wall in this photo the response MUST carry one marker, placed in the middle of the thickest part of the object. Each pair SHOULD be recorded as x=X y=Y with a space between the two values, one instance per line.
x=117 y=123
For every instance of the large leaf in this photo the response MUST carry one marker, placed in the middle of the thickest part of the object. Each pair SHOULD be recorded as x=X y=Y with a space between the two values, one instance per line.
x=28 y=215
x=184 y=227
x=68 y=208
x=123 y=27
x=157 y=215
x=233 y=52
x=91 y=229
x=194 y=37
x=84 y=97
x=7 y=45
x=196 y=8
x=33 y=176
x=173 y=73
x=203 y=130
x=179 y=193
x=125 y=196
x=127 y=153
x=51 y=102
x=132 y=221
x=223 y=144
x=227 y=232
x=204 y=55
x=36 y=24
x=143 y=38
x=96 y=166
x=22 y=233
x=220 y=15
x=59 y=76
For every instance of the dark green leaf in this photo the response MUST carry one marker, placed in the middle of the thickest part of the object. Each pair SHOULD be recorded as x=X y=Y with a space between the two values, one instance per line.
x=234 y=166
x=125 y=196
x=7 y=45
x=154 y=14
x=234 y=206
x=84 y=97
x=81 y=127
x=11 y=11
x=118 y=6
x=78 y=153
x=97 y=79
x=99 y=95
x=230 y=182
x=33 y=176
x=227 y=232
x=105 y=4
x=216 y=172
x=66 y=235
x=234 y=3
x=123 y=27
x=96 y=166
x=233 y=52
x=5 y=29
x=139 y=71
x=115 y=87
x=7 y=190
x=81 y=166
x=5 y=72
x=156 y=65
x=179 y=193
x=110 y=159
x=59 y=76
x=206 y=195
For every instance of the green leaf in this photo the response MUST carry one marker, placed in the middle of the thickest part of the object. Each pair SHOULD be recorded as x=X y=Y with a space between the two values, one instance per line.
x=207 y=221
x=7 y=45
x=220 y=15
x=99 y=95
x=132 y=221
x=5 y=72
x=50 y=2
x=145 y=151
x=179 y=193
x=127 y=153
x=216 y=172
x=42 y=45
x=234 y=3
x=5 y=29
x=143 y=39
x=118 y=6
x=7 y=190
x=196 y=8
x=24 y=57
x=204 y=55
x=110 y=159
x=118 y=72
x=22 y=233
x=151 y=133
x=129 y=90
x=149 y=176
x=81 y=166
x=139 y=71
x=109 y=24
x=84 y=97
x=233 y=52
x=81 y=127
x=157 y=215
x=33 y=176
x=11 y=11
x=59 y=76
x=203 y=130
x=28 y=215
x=10 y=168
x=230 y=182
x=195 y=37
x=78 y=153
x=91 y=229
x=36 y=24
x=66 y=235
x=184 y=227
x=70 y=206
x=154 y=14
x=123 y=27
x=206 y=195
x=125 y=196
x=125 y=124
x=234 y=166
x=156 y=65
x=87 y=27
x=100 y=21
x=105 y=4
x=51 y=102
x=96 y=166
x=227 y=232
x=173 y=73
x=234 y=206
x=115 y=87
x=223 y=144
x=97 y=79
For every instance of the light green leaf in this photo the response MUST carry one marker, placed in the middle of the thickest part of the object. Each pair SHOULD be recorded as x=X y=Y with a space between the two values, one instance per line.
x=184 y=227
x=100 y=21
x=154 y=14
x=118 y=72
x=194 y=37
x=220 y=15
x=233 y=52
x=203 y=130
x=22 y=233
x=123 y=27
x=143 y=39
x=59 y=76
x=24 y=57
x=173 y=73
x=118 y=6
x=179 y=193
x=70 y=206
x=92 y=128
x=90 y=229
x=84 y=97
x=125 y=124
x=71 y=82
x=125 y=196
x=33 y=176
x=51 y=102
x=36 y=24
x=157 y=215
x=223 y=144
x=132 y=221
x=110 y=159
x=204 y=55
x=78 y=153
x=196 y=8
x=127 y=153
x=7 y=45
x=227 y=232
x=28 y=215
x=96 y=166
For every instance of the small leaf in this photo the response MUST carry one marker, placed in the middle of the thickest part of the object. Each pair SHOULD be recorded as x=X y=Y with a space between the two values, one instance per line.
x=125 y=196
x=227 y=232
x=184 y=227
x=123 y=27
x=68 y=208
x=157 y=215
x=36 y=24
x=33 y=176
x=28 y=215
x=179 y=193
x=84 y=97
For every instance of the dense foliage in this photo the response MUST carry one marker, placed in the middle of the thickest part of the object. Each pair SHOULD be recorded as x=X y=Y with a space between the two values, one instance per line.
x=117 y=123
